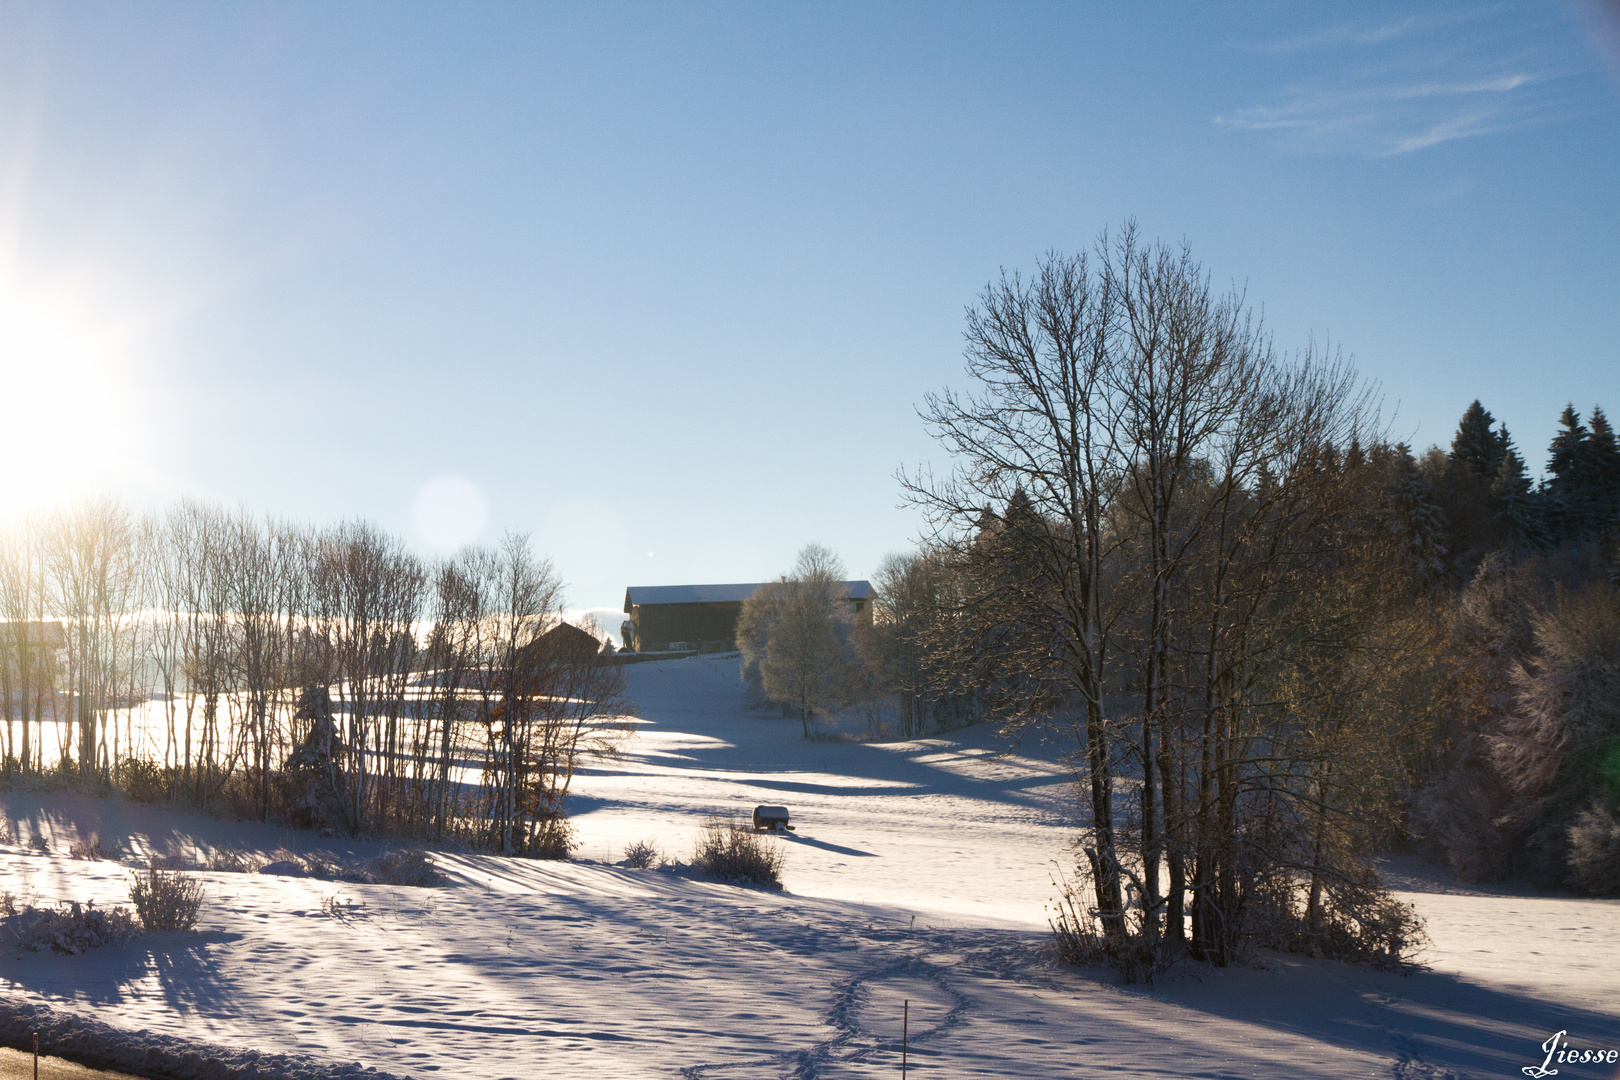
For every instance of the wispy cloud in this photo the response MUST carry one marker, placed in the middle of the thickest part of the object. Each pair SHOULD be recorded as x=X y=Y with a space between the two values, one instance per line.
x=1344 y=34
x=1404 y=85
x=1395 y=118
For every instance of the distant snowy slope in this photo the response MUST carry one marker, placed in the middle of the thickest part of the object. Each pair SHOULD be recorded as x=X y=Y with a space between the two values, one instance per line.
x=946 y=827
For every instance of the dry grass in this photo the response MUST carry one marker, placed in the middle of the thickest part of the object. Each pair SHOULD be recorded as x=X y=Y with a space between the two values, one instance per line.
x=730 y=849
x=232 y=861
x=86 y=850
x=403 y=868
x=1077 y=937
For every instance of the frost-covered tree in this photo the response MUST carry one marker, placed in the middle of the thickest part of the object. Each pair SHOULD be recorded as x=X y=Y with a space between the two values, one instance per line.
x=798 y=632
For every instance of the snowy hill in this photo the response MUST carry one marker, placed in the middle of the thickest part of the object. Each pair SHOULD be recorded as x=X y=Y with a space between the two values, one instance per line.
x=919 y=872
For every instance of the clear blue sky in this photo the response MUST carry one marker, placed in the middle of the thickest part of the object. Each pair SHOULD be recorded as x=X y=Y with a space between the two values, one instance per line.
x=663 y=284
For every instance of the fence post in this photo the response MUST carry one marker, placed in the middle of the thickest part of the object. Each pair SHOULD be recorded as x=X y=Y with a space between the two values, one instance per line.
x=905 y=1036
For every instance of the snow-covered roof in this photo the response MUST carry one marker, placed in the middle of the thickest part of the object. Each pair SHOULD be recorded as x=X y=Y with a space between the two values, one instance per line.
x=639 y=595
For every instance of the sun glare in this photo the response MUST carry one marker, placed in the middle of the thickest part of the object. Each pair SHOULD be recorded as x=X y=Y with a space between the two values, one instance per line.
x=65 y=408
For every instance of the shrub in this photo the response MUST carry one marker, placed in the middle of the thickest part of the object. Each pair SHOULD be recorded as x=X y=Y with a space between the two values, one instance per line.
x=144 y=781
x=323 y=869
x=69 y=928
x=553 y=838
x=38 y=843
x=403 y=868
x=1594 y=851
x=643 y=855
x=1077 y=940
x=166 y=900
x=231 y=861
x=732 y=851
x=87 y=850
x=1359 y=922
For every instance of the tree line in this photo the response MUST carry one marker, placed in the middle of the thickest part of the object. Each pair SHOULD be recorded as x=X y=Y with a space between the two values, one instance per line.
x=324 y=676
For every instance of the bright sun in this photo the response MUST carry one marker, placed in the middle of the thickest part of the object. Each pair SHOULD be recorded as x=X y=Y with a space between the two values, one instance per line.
x=65 y=411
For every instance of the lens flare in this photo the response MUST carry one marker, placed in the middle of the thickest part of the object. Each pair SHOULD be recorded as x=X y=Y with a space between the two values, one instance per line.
x=449 y=511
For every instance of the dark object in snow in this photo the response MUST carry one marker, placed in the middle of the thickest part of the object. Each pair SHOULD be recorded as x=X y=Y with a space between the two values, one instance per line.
x=284 y=868
x=774 y=818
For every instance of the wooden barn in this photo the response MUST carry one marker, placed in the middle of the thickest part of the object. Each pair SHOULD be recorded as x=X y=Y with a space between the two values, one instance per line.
x=701 y=618
x=562 y=644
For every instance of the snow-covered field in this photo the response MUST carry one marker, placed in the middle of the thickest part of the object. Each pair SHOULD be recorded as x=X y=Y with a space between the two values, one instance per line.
x=920 y=871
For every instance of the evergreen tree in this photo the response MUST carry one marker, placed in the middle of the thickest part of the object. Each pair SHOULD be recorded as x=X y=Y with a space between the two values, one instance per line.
x=1415 y=516
x=1601 y=467
x=1564 y=486
x=1463 y=486
x=1564 y=465
x=1516 y=499
x=1476 y=445
x=1583 y=487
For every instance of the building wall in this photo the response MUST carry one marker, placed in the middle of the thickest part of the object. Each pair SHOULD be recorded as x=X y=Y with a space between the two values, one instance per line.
x=659 y=624
x=710 y=625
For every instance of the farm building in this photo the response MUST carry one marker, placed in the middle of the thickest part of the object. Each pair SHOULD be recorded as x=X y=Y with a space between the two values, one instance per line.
x=702 y=618
x=563 y=643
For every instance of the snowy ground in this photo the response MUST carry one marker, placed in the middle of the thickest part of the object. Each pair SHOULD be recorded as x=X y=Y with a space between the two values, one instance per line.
x=919 y=872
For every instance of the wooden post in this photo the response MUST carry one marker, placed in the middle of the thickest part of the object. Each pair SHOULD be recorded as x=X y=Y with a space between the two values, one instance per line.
x=36 y=1055
x=905 y=1036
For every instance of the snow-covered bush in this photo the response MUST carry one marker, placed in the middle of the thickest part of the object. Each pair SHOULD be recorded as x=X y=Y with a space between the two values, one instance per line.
x=38 y=843
x=732 y=851
x=1594 y=850
x=403 y=868
x=165 y=900
x=643 y=855
x=68 y=928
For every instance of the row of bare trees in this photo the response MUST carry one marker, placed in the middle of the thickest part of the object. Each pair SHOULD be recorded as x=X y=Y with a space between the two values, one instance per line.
x=328 y=676
x=1168 y=538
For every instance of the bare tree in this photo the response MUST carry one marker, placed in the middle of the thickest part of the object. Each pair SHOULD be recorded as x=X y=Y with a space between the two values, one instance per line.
x=26 y=661
x=1145 y=501
x=93 y=564
x=365 y=595
x=450 y=667
x=1044 y=423
x=522 y=600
